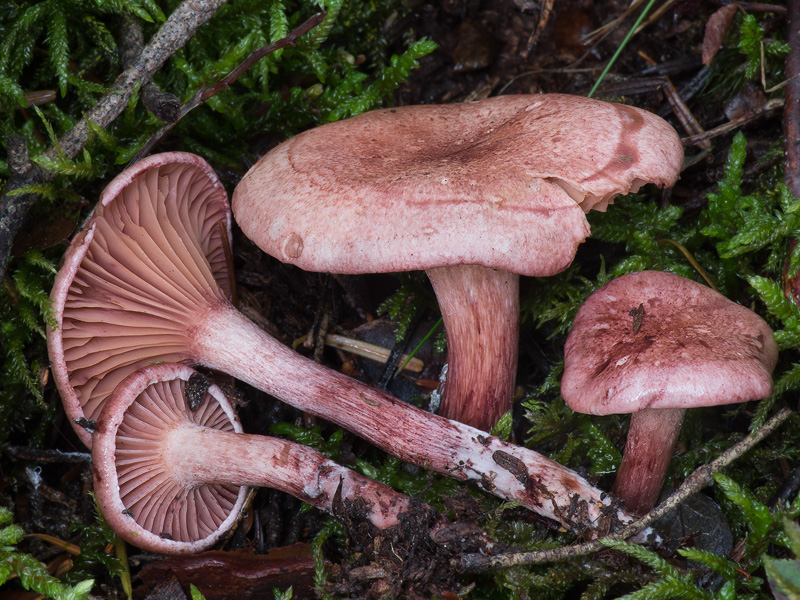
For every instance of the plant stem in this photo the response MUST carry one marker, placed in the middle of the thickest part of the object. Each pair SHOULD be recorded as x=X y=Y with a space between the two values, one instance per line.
x=619 y=50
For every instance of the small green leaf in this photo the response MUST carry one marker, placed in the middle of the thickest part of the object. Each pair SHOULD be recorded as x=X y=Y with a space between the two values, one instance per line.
x=502 y=428
x=792 y=530
x=757 y=516
x=604 y=456
x=195 y=593
x=283 y=595
x=784 y=577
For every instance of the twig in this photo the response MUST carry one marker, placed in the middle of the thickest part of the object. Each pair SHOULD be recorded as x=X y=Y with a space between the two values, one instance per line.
x=173 y=34
x=14 y=209
x=692 y=261
x=791 y=111
x=204 y=93
x=36 y=98
x=47 y=456
x=761 y=7
x=163 y=105
x=544 y=17
x=679 y=108
x=732 y=125
x=599 y=34
x=700 y=478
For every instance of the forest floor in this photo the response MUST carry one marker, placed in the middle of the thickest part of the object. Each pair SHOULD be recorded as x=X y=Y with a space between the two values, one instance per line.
x=485 y=49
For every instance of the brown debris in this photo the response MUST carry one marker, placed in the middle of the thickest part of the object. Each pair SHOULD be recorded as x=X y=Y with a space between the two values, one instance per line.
x=716 y=29
x=410 y=560
x=240 y=574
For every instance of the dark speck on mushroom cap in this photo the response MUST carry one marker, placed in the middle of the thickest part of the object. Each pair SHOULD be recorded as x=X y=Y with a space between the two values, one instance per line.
x=694 y=347
x=495 y=183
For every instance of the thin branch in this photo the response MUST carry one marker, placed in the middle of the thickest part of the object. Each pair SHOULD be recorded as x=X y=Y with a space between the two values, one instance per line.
x=791 y=112
x=701 y=477
x=204 y=93
x=173 y=34
x=692 y=261
x=164 y=106
x=768 y=106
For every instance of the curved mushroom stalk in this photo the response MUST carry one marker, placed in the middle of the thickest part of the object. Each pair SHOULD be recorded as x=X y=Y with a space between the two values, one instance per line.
x=224 y=340
x=488 y=188
x=136 y=288
x=654 y=344
x=172 y=480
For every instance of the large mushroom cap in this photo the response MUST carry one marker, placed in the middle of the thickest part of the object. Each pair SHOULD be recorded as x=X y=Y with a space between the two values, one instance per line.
x=687 y=346
x=152 y=253
x=495 y=183
x=144 y=497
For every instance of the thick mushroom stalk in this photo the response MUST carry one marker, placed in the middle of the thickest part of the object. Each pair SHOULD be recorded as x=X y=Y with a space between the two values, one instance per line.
x=654 y=344
x=480 y=368
x=136 y=289
x=471 y=193
x=172 y=480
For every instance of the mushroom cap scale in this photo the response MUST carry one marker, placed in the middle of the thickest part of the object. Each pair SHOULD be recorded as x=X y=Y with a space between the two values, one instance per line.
x=150 y=255
x=495 y=183
x=693 y=347
x=142 y=495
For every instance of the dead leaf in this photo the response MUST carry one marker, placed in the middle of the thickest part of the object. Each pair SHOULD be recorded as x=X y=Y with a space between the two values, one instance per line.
x=716 y=29
x=238 y=574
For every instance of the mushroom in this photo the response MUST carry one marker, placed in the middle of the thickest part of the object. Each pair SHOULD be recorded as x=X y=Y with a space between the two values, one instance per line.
x=136 y=287
x=654 y=344
x=172 y=480
x=476 y=194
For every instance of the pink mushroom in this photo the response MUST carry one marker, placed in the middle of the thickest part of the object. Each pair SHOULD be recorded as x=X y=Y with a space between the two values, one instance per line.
x=476 y=194
x=654 y=344
x=172 y=480
x=136 y=288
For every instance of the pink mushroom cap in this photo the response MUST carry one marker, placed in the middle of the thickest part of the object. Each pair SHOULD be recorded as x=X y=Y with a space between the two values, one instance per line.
x=654 y=344
x=144 y=496
x=502 y=183
x=694 y=347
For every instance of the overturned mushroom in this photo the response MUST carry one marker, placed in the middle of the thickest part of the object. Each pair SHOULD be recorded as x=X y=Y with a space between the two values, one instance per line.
x=172 y=480
x=476 y=194
x=136 y=288
x=654 y=344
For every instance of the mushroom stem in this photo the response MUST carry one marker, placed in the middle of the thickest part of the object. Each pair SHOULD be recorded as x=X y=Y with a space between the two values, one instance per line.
x=480 y=309
x=651 y=439
x=210 y=456
x=225 y=340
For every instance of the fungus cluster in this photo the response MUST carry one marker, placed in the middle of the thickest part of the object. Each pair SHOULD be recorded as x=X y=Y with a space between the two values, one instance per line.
x=476 y=194
x=146 y=281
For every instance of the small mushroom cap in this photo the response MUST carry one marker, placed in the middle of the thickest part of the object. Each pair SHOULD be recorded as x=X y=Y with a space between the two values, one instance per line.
x=139 y=494
x=132 y=280
x=687 y=346
x=495 y=183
